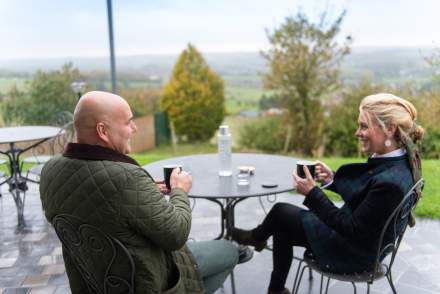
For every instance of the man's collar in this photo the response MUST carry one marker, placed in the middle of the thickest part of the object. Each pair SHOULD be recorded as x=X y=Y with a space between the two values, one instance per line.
x=95 y=152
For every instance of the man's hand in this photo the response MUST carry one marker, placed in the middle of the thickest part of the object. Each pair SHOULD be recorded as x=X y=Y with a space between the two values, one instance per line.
x=162 y=187
x=323 y=173
x=181 y=179
x=303 y=186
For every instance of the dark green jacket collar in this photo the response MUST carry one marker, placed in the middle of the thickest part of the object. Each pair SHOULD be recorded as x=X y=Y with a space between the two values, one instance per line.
x=95 y=152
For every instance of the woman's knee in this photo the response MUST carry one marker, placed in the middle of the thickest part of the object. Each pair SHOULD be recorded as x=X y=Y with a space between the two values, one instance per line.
x=280 y=209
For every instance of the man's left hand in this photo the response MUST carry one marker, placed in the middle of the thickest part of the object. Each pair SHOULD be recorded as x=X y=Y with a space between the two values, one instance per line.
x=162 y=187
x=303 y=186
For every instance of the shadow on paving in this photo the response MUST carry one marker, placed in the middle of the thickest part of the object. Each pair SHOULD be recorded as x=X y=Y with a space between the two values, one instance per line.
x=31 y=261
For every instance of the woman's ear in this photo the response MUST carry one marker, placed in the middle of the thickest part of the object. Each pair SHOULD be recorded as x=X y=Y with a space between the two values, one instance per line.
x=391 y=130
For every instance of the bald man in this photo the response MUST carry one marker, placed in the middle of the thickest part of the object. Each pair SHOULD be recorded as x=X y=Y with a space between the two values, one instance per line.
x=95 y=181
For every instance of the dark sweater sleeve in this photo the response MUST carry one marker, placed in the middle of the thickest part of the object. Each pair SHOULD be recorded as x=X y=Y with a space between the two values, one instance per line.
x=368 y=217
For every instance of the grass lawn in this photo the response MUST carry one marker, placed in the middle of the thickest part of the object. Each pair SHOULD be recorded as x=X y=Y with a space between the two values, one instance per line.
x=429 y=205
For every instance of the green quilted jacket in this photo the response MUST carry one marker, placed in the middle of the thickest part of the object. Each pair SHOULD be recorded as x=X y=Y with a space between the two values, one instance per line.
x=122 y=199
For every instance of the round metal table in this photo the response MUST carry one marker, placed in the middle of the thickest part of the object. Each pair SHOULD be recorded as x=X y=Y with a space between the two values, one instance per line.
x=207 y=184
x=224 y=191
x=11 y=136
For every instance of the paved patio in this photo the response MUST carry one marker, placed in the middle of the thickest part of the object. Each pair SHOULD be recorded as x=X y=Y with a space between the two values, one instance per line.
x=31 y=261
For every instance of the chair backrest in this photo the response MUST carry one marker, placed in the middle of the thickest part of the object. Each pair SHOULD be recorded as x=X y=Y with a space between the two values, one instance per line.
x=395 y=227
x=104 y=263
x=59 y=142
x=63 y=120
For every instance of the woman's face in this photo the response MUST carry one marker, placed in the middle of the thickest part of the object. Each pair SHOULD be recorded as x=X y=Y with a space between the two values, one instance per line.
x=371 y=135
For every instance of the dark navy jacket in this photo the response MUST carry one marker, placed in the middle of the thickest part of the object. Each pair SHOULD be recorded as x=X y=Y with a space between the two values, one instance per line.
x=345 y=239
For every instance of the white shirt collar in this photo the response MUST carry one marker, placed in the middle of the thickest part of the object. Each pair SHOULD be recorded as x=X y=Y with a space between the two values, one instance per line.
x=395 y=153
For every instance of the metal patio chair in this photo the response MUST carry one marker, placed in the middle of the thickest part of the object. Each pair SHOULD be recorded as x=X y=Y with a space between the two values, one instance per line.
x=63 y=119
x=56 y=145
x=397 y=224
x=104 y=263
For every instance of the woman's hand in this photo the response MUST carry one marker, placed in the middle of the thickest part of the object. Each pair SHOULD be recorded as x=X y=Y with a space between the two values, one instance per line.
x=303 y=186
x=323 y=173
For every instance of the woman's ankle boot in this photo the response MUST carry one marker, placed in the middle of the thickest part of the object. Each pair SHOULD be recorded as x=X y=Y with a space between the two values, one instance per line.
x=285 y=291
x=246 y=238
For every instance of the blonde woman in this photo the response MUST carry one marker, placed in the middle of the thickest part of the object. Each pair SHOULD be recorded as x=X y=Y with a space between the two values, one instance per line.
x=344 y=240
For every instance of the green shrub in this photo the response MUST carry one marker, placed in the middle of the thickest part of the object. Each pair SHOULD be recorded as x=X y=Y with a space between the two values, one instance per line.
x=267 y=134
x=431 y=143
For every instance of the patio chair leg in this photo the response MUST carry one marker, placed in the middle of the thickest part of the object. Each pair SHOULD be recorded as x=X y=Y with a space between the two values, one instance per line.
x=232 y=282
x=354 y=287
x=310 y=274
x=368 y=288
x=320 y=285
x=296 y=276
x=326 y=288
x=300 y=278
x=390 y=281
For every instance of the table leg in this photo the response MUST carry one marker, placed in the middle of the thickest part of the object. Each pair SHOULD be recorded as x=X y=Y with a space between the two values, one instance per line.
x=16 y=183
x=15 y=191
x=222 y=216
x=230 y=214
x=245 y=253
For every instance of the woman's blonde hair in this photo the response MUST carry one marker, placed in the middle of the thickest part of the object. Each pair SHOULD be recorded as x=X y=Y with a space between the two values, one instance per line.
x=390 y=110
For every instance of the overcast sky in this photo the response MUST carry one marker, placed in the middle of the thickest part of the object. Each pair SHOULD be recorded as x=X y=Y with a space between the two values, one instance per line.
x=60 y=28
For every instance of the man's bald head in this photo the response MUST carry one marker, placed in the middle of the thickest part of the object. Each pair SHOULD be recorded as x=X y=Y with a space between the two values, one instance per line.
x=95 y=110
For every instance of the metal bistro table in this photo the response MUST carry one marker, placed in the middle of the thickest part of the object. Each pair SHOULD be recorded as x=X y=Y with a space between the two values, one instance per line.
x=11 y=136
x=224 y=191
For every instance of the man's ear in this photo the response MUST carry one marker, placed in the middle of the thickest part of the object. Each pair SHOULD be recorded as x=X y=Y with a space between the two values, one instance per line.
x=102 y=131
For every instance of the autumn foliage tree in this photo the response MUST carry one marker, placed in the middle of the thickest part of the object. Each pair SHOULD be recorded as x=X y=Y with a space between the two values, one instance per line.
x=304 y=61
x=194 y=97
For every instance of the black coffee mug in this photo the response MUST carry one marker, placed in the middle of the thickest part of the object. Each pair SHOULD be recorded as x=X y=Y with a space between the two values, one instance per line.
x=167 y=170
x=300 y=170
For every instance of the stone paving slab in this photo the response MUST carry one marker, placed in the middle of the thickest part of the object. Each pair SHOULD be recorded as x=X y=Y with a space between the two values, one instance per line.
x=31 y=260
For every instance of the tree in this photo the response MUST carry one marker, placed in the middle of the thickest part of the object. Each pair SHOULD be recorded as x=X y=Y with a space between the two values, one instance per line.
x=194 y=97
x=143 y=101
x=49 y=93
x=304 y=64
x=12 y=106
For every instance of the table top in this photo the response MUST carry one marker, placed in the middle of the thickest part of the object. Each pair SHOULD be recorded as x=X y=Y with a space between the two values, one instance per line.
x=27 y=133
x=208 y=184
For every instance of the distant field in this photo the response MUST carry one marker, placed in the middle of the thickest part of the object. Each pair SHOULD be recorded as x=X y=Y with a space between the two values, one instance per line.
x=244 y=93
x=249 y=80
x=7 y=83
x=242 y=98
